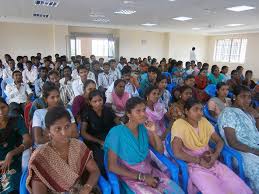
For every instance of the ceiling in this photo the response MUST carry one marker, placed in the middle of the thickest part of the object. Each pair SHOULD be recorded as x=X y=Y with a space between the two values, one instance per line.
x=210 y=16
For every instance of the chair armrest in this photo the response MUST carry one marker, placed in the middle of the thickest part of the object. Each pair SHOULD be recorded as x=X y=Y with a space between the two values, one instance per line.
x=173 y=169
x=104 y=185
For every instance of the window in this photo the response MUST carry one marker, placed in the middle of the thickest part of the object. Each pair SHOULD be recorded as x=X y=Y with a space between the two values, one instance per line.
x=230 y=50
x=75 y=47
x=100 y=47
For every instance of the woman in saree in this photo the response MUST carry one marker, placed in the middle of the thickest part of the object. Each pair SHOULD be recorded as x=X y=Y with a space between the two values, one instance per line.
x=64 y=164
x=201 y=80
x=127 y=149
x=190 y=138
x=155 y=110
x=14 y=139
x=238 y=126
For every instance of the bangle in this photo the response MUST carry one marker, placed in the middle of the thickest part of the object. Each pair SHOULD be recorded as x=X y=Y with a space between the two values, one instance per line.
x=141 y=177
x=88 y=187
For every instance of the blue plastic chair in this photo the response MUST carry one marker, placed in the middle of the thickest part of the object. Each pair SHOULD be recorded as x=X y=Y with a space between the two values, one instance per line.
x=114 y=180
x=168 y=75
x=207 y=114
x=171 y=87
x=102 y=183
x=230 y=95
x=211 y=90
x=226 y=153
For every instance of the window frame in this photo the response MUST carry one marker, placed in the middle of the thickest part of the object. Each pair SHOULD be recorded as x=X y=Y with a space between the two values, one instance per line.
x=230 y=54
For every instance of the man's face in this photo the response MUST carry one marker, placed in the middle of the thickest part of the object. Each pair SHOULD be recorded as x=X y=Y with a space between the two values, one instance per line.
x=17 y=77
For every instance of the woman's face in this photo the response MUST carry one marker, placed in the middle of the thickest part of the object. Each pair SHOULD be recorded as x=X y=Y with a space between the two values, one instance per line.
x=120 y=88
x=243 y=100
x=187 y=94
x=153 y=96
x=203 y=73
x=60 y=131
x=96 y=102
x=162 y=84
x=89 y=88
x=195 y=113
x=138 y=114
x=53 y=99
x=3 y=110
x=223 y=91
x=216 y=71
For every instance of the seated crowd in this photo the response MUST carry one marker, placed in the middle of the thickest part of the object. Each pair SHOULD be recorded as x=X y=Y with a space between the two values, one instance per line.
x=70 y=115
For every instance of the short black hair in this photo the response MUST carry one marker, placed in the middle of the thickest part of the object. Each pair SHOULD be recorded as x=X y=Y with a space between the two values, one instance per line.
x=67 y=67
x=224 y=67
x=249 y=71
x=80 y=67
x=233 y=72
x=56 y=113
x=18 y=58
x=193 y=48
x=189 y=77
x=53 y=72
x=112 y=61
x=239 y=68
x=106 y=64
x=16 y=71
x=153 y=69
x=126 y=70
x=160 y=78
x=42 y=69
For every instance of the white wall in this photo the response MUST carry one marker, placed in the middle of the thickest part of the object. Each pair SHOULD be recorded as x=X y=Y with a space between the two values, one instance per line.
x=251 y=59
x=143 y=44
x=180 y=46
x=25 y=39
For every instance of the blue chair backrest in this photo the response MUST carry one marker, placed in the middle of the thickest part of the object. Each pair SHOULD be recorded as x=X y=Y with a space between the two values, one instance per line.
x=211 y=90
x=207 y=114
x=183 y=165
x=23 y=189
x=113 y=178
x=171 y=87
x=168 y=75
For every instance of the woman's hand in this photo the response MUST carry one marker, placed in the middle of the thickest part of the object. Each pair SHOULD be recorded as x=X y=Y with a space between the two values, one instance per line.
x=151 y=181
x=150 y=126
x=213 y=159
x=204 y=163
x=5 y=165
x=85 y=190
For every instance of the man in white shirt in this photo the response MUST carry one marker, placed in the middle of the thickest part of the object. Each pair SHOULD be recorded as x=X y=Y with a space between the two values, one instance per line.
x=39 y=82
x=8 y=71
x=84 y=74
x=67 y=80
x=30 y=74
x=114 y=69
x=18 y=94
x=129 y=87
x=106 y=78
x=193 y=55
x=66 y=93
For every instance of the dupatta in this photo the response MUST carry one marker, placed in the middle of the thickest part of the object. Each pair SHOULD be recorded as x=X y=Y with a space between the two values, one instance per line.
x=191 y=139
x=53 y=171
x=126 y=146
x=120 y=102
